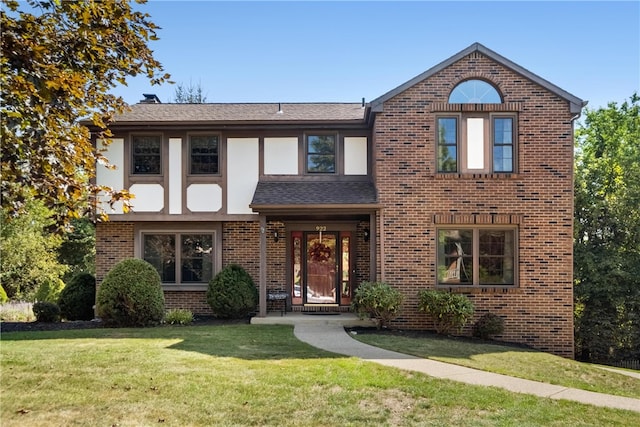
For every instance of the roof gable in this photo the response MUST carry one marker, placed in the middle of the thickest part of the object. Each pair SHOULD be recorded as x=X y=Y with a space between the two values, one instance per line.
x=576 y=104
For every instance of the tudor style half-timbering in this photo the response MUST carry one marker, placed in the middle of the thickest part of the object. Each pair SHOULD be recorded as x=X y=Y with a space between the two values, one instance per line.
x=460 y=179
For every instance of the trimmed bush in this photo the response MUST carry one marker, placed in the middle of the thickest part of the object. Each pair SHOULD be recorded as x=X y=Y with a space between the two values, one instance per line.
x=489 y=324
x=450 y=312
x=77 y=299
x=232 y=293
x=178 y=316
x=377 y=300
x=131 y=295
x=47 y=312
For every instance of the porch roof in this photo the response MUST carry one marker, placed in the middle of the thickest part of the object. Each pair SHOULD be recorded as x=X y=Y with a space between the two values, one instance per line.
x=279 y=195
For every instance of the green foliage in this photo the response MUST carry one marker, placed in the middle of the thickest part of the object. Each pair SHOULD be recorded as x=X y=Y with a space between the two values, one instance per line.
x=49 y=291
x=3 y=295
x=488 y=325
x=178 y=316
x=47 y=312
x=378 y=300
x=450 y=312
x=232 y=293
x=29 y=257
x=77 y=299
x=131 y=295
x=60 y=60
x=78 y=248
x=607 y=233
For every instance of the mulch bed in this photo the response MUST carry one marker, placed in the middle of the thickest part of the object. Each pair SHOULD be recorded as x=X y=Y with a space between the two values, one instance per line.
x=92 y=324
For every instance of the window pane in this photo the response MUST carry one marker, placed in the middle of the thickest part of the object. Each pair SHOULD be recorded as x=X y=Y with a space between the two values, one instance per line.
x=196 y=258
x=159 y=251
x=146 y=155
x=503 y=131
x=447 y=144
x=455 y=257
x=475 y=143
x=321 y=154
x=474 y=92
x=503 y=158
x=496 y=257
x=204 y=154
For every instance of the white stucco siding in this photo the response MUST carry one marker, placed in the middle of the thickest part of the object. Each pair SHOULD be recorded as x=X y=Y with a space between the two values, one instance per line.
x=242 y=173
x=148 y=197
x=175 y=175
x=355 y=156
x=281 y=156
x=204 y=197
x=113 y=178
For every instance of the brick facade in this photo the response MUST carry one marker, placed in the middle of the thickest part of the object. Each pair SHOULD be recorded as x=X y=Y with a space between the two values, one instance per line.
x=408 y=199
x=538 y=198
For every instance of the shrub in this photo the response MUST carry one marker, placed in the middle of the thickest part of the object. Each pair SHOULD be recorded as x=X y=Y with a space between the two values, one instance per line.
x=45 y=311
x=77 y=299
x=49 y=290
x=378 y=300
x=489 y=324
x=131 y=295
x=449 y=311
x=232 y=293
x=178 y=316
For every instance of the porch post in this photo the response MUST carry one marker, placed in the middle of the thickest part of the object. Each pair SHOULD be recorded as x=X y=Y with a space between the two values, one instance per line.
x=263 y=267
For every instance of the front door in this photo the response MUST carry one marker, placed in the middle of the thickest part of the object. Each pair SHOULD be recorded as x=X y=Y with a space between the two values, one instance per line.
x=322 y=267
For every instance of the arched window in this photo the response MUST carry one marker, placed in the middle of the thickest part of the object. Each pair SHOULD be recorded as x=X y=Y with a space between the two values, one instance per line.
x=474 y=92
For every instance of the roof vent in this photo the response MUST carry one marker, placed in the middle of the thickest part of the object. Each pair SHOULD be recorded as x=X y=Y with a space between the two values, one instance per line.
x=280 y=108
x=362 y=102
x=150 y=98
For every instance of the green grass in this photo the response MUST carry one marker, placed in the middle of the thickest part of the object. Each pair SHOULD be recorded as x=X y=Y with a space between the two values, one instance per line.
x=243 y=375
x=508 y=360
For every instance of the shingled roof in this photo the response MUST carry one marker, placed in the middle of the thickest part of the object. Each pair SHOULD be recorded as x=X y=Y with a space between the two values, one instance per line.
x=274 y=195
x=241 y=113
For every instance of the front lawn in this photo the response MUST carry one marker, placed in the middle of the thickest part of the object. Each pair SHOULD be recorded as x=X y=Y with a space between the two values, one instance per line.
x=504 y=359
x=242 y=375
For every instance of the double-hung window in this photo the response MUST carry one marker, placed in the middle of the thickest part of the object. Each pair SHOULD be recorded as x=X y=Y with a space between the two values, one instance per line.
x=204 y=154
x=321 y=154
x=146 y=154
x=180 y=258
x=476 y=256
x=476 y=143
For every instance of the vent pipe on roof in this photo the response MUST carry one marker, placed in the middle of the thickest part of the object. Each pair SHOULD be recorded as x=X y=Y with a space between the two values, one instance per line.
x=362 y=102
x=280 y=108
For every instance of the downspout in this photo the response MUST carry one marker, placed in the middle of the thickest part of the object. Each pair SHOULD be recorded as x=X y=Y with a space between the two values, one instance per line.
x=263 y=267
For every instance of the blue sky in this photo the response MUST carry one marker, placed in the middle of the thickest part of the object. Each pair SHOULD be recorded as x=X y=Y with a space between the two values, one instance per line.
x=343 y=51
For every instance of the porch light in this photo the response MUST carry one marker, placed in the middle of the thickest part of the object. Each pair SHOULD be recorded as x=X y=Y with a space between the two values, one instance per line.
x=366 y=234
x=276 y=237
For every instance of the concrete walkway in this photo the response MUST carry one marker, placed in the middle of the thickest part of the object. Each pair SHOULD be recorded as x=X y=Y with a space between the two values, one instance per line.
x=327 y=333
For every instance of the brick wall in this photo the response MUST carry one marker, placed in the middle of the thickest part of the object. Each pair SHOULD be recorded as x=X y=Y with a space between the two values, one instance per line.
x=114 y=243
x=539 y=199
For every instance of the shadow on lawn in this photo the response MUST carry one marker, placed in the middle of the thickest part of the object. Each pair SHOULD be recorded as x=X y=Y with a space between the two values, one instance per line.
x=234 y=339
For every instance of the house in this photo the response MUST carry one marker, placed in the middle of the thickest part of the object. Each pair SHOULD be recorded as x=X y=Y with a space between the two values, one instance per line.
x=459 y=179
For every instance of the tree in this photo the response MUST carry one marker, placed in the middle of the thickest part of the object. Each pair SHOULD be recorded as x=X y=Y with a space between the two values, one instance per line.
x=29 y=259
x=191 y=94
x=59 y=61
x=607 y=233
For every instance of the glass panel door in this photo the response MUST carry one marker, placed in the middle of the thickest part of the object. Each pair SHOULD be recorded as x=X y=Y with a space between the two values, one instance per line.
x=322 y=268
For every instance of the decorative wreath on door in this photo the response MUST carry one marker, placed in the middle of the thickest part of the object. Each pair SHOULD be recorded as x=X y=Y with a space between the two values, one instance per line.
x=319 y=252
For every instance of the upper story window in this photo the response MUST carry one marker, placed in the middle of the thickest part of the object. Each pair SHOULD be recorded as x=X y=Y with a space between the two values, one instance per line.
x=146 y=154
x=204 y=154
x=321 y=154
x=476 y=143
x=474 y=92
